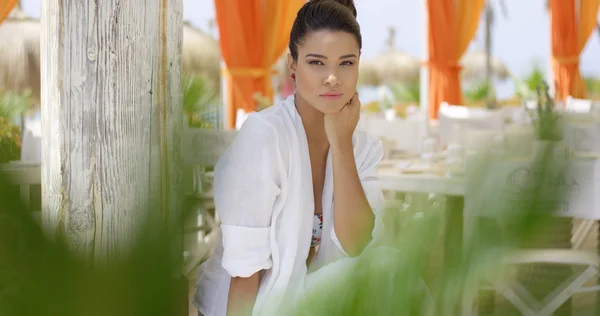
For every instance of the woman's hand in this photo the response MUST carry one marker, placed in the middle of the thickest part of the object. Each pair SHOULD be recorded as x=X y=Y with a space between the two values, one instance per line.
x=340 y=126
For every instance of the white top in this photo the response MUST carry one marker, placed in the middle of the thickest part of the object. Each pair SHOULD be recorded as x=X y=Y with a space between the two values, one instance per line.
x=264 y=197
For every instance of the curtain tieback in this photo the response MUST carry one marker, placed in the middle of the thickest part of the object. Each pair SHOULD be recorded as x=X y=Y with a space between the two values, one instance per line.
x=452 y=65
x=566 y=60
x=249 y=72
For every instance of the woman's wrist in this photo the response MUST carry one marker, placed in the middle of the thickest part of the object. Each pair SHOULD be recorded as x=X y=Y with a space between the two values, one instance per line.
x=341 y=144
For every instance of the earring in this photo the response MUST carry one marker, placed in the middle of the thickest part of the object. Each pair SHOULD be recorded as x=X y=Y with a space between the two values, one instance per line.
x=294 y=76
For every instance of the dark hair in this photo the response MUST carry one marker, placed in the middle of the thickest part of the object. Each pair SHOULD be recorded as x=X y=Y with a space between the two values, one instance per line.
x=317 y=15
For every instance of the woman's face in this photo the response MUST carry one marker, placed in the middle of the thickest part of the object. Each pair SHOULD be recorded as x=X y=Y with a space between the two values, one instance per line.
x=327 y=69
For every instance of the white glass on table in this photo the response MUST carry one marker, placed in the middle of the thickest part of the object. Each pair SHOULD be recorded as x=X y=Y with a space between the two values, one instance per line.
x=455 y=160
x=429 y=150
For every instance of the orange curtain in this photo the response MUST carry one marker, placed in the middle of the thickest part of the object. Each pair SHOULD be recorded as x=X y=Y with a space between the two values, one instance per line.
x=6 y=6
x=451 y=24
x=253 y=34
x=569 y=37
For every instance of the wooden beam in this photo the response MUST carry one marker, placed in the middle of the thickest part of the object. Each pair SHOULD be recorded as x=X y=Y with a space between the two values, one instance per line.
x=111 y=120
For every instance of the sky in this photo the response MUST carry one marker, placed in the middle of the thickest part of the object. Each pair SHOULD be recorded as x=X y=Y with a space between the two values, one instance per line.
x=520 y=39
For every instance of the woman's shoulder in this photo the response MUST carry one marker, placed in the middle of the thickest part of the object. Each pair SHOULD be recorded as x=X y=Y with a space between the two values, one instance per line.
x=278 y=116
x=271 y=122
x=263 y=131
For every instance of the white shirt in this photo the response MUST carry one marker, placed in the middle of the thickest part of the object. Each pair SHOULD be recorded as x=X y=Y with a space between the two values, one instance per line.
x=264 y=197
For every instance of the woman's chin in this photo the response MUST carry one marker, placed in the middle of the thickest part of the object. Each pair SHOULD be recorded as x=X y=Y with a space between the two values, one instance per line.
x=330 y=109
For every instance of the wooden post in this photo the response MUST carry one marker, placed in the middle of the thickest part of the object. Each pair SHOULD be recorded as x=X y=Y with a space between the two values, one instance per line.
x=111 y=120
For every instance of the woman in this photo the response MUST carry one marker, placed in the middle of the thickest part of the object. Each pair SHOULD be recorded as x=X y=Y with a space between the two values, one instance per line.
x=276 y=185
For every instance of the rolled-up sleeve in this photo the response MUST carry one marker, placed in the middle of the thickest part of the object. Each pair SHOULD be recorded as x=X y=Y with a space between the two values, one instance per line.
x=247 y=184
x=368 y=156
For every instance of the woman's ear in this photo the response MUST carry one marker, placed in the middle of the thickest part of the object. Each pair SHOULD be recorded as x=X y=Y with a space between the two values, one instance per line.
x=291 y=64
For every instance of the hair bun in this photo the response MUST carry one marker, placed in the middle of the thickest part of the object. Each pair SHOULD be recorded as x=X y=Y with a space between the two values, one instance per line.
x=347 y=3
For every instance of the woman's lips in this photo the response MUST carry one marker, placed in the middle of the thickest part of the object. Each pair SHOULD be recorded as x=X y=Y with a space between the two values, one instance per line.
x=331 y=96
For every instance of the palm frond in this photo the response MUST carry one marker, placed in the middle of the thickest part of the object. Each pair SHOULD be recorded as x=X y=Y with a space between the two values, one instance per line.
x=406 y=92
x=13 y=105
x=200 y=101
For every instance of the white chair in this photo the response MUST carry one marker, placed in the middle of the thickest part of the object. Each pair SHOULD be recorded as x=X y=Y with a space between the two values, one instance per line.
x=406 y=134
x=581 y=204
x=468 y=119
x=522 y=300
x=582 y=132
x=31 y=146
x=578 y=105
x=201 y=149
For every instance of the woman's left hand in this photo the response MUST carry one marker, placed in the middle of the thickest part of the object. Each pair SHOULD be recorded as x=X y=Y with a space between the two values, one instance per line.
x=340 y=126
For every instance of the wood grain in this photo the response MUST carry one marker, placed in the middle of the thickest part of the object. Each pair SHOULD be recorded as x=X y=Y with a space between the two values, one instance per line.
x=111 y=120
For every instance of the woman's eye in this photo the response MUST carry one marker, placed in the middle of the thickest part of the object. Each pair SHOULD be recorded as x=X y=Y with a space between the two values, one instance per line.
x=347 y=63
x=315 y=62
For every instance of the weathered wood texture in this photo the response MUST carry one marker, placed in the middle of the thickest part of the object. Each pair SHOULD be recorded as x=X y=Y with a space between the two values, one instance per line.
x=111 y=119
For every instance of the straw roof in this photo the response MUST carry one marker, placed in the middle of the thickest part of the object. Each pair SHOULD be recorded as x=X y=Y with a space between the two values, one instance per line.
x=201 y=54
x=394 y=66
x=20 y=51
x=368 y=74
x=473 y=64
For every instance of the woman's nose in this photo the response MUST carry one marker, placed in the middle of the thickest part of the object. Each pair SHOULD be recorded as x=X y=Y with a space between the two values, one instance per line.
x=332 y=79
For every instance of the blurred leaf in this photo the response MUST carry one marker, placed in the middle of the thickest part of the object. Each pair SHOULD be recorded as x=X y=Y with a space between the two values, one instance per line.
x=39 y=276
x=406 y=92
x=200 y=100
x=12 y=105
x=592 y=85
x=10 y=141
x=526 y=88
x=546 y=120
x=479 y=92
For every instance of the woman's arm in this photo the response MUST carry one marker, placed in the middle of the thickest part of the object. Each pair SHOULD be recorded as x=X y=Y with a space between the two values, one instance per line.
x=352 y=215
x=242 y=295
x=246 y=187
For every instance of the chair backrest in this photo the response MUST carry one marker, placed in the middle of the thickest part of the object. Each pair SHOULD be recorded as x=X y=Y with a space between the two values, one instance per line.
x=406 y=134
x=204 y=146
x=578 y=105
x=582 y=135
x=27 y=176
x=201 y=149
x=491 y=185
x=467 y=119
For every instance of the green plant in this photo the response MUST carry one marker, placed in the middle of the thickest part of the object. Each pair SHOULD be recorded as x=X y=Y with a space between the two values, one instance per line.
x=592 y=85
x=526 y=87
x=479 y=92
x=546 y=119
x=10 y=141
x=406 y=92
x=13 y=105
x=200 y=97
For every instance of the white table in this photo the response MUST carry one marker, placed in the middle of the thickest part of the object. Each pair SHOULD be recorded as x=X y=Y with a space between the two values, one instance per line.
x=421 y=183
x=454 y=190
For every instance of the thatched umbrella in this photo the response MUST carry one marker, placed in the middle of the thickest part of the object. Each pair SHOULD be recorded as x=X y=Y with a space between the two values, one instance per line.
x=201 y=54
x=474 y=64
x=20 y=53
x=395 y=66
x=368 y=73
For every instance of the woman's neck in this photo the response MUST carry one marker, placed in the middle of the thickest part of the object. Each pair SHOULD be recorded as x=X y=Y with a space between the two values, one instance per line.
x=313 y=121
